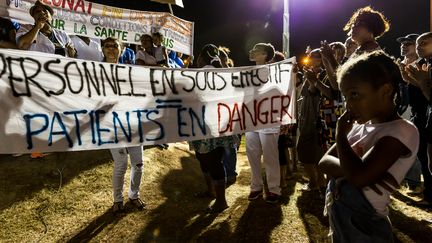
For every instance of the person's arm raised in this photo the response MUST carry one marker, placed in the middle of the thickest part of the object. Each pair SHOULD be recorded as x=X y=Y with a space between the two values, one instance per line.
x=27 y=39
x=330 y=64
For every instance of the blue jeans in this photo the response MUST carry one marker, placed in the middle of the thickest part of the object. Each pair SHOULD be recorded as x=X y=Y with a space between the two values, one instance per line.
x=352 y=218
x=230 y=162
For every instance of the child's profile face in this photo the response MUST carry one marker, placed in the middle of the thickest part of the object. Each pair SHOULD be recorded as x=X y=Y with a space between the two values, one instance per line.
x=363 y=101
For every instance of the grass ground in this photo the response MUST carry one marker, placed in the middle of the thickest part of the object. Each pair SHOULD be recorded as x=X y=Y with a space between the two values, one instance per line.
x=67 y=197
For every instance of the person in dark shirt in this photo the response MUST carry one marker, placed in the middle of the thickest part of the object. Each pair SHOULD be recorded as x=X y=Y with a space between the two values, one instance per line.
x=420 y=78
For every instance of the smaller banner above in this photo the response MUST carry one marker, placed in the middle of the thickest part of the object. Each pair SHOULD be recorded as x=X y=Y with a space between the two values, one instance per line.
x=79 y=17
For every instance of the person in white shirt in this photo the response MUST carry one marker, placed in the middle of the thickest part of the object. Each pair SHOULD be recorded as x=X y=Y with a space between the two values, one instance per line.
x=112 y=51
x=42 y=36
x=145 y=56
x=87 y=48
x=263 y=143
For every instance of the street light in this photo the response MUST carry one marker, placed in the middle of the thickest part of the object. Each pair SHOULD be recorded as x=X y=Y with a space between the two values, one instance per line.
x=286 y=28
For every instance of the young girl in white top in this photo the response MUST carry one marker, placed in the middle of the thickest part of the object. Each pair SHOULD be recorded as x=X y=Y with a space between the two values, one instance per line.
x=374 y=149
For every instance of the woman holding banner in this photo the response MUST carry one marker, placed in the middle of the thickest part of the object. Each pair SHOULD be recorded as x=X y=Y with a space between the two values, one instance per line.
x=43 y=37
x=263 y=143
x=210 y=152
x=111 y=49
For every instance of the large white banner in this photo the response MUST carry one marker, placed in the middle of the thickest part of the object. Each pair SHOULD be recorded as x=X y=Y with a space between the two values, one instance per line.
x=52 y=103
x=79 y=17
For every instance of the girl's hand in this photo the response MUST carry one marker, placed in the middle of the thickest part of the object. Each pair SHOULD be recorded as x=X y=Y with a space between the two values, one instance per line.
x=344 y=124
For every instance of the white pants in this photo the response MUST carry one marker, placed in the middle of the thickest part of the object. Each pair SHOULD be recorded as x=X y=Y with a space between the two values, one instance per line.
x=120 y=156
x=264 y=144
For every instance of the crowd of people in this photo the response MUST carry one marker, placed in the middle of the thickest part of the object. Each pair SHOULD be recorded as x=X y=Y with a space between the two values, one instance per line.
x=350 y=108
x=354 y=145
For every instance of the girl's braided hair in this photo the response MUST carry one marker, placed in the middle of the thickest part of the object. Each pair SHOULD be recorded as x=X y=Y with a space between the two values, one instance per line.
x=377 y=68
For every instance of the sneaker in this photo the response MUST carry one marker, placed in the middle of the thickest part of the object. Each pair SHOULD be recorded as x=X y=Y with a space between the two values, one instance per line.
x=117 y=207
x=254 y=195
x=272 y=197
x=137 y=203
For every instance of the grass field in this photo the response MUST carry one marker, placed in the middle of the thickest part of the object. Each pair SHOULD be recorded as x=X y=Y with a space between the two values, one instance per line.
x=67 y=197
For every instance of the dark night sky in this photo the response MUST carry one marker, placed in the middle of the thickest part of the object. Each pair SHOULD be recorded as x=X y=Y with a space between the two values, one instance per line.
x=238 y=24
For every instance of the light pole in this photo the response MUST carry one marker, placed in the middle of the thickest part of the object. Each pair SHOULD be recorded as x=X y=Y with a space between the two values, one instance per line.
x=286 y=28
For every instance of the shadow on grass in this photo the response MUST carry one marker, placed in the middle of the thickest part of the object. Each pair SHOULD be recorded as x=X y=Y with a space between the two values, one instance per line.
x=249 y=221
x=171 y=221
x=288 y=191
x=181 y=218
x=311 y=208
x=417 y=230
x=96 y=226
x=20 y=177
x=257 y=221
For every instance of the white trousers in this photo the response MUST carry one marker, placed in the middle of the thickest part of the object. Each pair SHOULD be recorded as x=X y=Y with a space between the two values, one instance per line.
x=120 y=156
x=264 y=144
